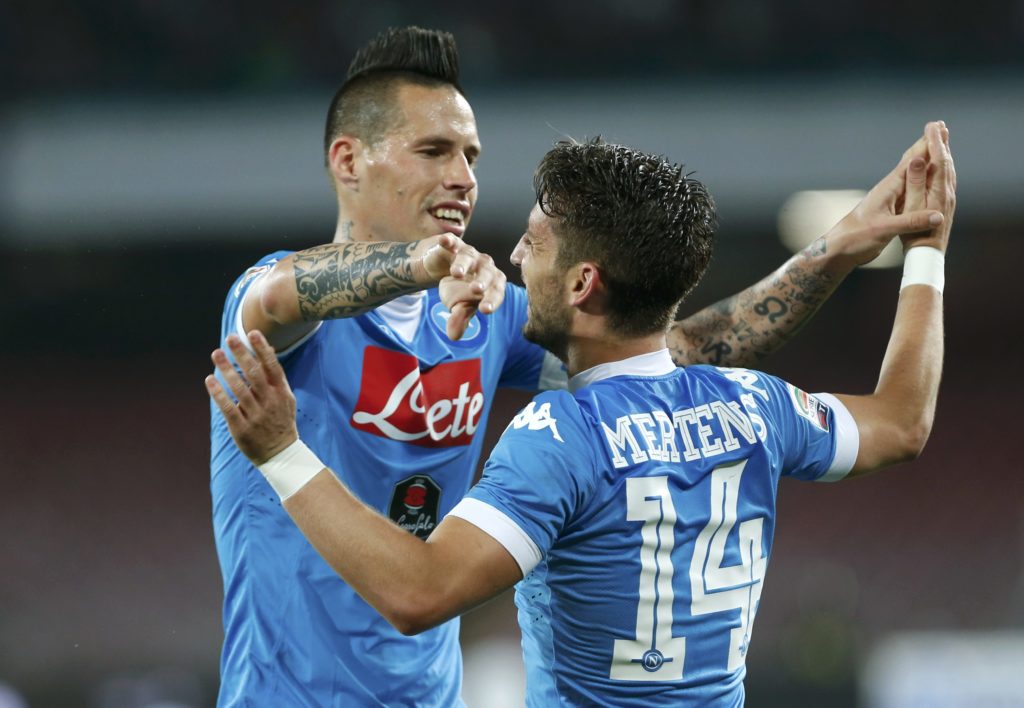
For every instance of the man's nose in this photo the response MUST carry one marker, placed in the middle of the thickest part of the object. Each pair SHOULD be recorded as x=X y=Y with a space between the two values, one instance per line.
x=460 y=174
x=517 y=254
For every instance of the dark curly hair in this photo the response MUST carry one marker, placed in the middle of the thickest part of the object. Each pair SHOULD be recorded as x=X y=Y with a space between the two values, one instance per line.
x=648 y=226
x=365 y=105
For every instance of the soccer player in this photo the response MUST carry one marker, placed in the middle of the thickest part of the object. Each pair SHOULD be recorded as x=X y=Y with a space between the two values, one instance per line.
x=365 y=328
x=635 y=511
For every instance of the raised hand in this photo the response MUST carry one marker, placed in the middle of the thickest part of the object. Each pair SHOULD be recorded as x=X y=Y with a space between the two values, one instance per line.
x=261 y=417
x=932 y=186
x=469 y=281
x=884 y=212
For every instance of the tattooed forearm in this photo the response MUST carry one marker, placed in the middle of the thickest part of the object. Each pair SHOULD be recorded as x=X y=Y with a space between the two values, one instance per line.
x=346 y=279
x=743 y=329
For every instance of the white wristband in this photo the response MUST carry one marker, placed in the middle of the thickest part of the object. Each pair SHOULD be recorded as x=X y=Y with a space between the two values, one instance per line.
x=289 y=470
x=924 y=265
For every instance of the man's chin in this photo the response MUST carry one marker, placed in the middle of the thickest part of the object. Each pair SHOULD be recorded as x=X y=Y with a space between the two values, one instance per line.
x=555 y=343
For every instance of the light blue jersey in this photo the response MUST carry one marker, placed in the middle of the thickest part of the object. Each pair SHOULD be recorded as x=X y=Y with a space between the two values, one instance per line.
x=641 y=508
x=402 y=424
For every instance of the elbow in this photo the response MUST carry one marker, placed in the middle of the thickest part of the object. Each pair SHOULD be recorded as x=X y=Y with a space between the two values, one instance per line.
x=408 y=625
x=277 y=295
x=913 y=438
x=416 y=613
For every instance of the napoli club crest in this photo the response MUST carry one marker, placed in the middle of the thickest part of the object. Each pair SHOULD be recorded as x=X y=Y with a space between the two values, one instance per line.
x=414 y=505
x=439 y=315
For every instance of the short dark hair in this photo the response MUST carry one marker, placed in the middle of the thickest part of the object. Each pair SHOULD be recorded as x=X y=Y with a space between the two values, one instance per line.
x=648 y=226
x=365 y=105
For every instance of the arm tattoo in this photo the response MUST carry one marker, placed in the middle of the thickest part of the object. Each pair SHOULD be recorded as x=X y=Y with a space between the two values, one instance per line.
x=745 y=328
x=346 y=279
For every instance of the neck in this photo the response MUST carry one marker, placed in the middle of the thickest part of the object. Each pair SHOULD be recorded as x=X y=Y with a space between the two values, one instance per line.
x=587 y=352
x=350 y=227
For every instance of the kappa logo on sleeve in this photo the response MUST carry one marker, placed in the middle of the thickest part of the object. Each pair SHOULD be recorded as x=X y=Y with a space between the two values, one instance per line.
x=536 y=417
x=809 y=407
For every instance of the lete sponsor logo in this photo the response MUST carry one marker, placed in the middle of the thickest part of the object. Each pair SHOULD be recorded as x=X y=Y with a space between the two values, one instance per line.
x=440 y=407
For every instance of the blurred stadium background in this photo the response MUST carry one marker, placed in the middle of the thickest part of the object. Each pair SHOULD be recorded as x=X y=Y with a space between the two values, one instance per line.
x=150 y=151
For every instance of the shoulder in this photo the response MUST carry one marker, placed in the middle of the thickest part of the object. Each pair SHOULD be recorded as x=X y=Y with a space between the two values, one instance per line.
x=256 y=270
x=552 y=418
x=734 y=380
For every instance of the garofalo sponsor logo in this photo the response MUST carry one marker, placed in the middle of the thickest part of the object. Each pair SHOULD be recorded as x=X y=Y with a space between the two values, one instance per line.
x=414 y=505
x=440 y=407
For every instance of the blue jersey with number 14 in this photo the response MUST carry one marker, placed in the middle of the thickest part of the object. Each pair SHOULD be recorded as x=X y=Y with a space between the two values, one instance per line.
x=641 y=508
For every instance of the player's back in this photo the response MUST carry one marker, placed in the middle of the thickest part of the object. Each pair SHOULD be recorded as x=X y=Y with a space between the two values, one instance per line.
x=652 y=503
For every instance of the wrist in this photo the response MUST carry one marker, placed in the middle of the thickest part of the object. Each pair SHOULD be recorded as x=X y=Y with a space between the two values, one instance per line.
x=291 y=469
x=834 y=253
x=924 y=265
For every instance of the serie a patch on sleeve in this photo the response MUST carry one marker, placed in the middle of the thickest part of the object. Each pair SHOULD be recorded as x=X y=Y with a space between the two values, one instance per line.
x=252 y=274
x=809 y=407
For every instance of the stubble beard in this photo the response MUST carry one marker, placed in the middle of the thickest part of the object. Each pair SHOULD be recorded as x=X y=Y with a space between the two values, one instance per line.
x=549 y=329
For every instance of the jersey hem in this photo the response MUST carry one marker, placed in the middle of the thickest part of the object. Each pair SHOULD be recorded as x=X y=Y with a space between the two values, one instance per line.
x=499 y=526
x=847 y=439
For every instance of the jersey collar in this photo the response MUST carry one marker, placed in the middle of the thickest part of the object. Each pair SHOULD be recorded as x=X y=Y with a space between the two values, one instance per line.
x=656 y=363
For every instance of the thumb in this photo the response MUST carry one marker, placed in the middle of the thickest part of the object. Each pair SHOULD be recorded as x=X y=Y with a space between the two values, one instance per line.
x=438 y=258
x=909 y=222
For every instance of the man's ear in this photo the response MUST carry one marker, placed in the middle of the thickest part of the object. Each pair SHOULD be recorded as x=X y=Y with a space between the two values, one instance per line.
x=344 y=160
x=587 y=289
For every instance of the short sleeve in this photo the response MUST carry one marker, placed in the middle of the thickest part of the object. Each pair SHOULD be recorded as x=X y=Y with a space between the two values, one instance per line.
x=232 y=319
x=535 y=479
x=814 y=434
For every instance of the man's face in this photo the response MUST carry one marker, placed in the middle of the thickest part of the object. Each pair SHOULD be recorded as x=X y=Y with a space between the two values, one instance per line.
x=549 y=316
x=418 y=179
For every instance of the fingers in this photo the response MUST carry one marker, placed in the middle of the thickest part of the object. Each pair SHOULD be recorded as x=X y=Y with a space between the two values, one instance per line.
x=494 y=294
x=227 y=407
x=917 y=184
x=893 y=185
x=468 y=261
x=943 y=172
x=438 y=258
x=461 y=314
x=486 y=281
x=260 y=371
x=250 y=366
x=909 y=223
x=272 y=369
x=918 y=149
x=239 y=388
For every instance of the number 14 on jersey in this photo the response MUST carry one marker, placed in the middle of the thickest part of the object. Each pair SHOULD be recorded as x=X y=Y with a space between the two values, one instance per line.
x=657 y=654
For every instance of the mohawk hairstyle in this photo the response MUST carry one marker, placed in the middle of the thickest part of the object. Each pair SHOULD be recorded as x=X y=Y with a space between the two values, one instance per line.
x=365 y=106
x=431 y=53
x=647 y=225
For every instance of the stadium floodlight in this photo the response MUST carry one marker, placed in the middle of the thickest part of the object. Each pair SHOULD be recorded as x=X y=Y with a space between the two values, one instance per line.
x=807 y=215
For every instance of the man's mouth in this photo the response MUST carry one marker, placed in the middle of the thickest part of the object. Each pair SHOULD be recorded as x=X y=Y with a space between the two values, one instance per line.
x=452 y=216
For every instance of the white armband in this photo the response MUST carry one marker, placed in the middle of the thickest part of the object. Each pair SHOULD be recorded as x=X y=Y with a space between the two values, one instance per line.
x=924 y=265
x=289 y=470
